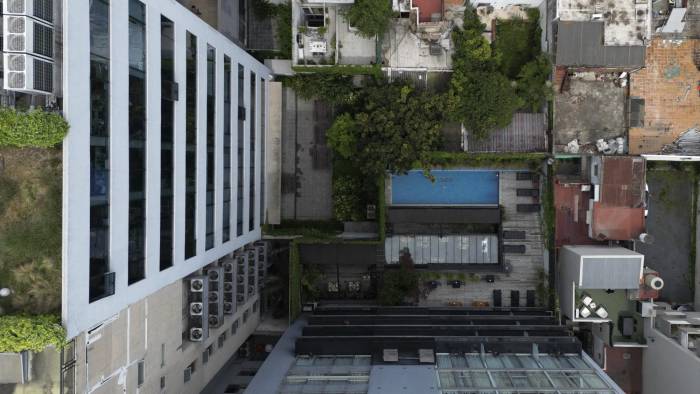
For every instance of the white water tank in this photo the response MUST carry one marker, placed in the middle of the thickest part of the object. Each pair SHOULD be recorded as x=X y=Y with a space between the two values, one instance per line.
x=654 y=282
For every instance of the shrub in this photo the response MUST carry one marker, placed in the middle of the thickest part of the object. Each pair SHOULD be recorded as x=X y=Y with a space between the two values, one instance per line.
x=347 y=204
x=35 y=128
x=400 y=284
x=332 y=88
x=35 y=333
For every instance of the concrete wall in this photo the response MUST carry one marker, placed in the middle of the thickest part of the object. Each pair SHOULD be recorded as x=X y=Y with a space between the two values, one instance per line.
x=78 y=314
x=668 y=367
x=151 y=331
x=568 y=271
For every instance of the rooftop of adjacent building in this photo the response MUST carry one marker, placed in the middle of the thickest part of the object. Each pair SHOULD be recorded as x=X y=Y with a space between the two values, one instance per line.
x=450 y=356
x=627 y=22
x=665 y=96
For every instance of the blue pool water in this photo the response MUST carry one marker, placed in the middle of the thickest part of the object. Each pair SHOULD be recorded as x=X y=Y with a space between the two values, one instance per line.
x=451 y=187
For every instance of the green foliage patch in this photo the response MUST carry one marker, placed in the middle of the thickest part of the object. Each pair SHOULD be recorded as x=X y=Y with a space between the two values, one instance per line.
x=370 y=17
x=391 y=127
x=491 y=82
x=35 y=128
x=35 y=333
x=399 y=285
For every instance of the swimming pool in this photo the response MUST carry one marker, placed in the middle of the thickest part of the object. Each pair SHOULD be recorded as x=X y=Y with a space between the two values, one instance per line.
x=451 y=187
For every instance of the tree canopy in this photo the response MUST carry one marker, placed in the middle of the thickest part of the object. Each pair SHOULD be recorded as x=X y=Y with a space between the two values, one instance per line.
x=491 y=82
x=370 y=17
x=390 y=129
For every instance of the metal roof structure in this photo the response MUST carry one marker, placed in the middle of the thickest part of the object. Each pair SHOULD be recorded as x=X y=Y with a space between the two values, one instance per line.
x=526 y=133
x=448 y=249
x=581 y=44
x=414 y=350
x=435 y=215
x=619 y=212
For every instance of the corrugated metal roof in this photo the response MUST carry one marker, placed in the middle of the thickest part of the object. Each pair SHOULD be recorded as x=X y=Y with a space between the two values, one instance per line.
x=581 y=44
x=611 y=273
x=449 y=249
x=444 y=215
x=622 y=181
x=526 y=133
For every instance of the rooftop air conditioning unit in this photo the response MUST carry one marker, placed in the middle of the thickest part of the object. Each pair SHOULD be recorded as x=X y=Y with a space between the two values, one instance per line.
x=228 y=308
x=213 y=296
x=27 y=35
x=27 y=73
x=240 y=298
x=196 y=334
x=228 y=267
x=196 y=308
x=196 y=285
x=213 y=320
x=39 y=9
x=213 y=275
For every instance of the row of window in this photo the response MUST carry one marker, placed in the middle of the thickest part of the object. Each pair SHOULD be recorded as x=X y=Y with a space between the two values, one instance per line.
x=101 y=280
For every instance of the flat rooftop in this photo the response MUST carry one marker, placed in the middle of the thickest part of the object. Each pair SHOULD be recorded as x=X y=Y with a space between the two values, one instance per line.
x=627 y=22
x=668 y=102
x=592 y=107
x=619 y=213
x=571 y=203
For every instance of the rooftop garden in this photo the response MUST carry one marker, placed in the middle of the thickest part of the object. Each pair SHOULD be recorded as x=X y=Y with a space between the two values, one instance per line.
x=383 y=127
x=30 y=228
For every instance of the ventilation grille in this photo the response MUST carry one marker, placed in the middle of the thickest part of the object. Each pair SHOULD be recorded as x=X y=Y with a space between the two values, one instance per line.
x=43 y=40
x=16 y=80
x=16 y=43
x=43 y=76
x=16 y=6
x=16 y=25
x=16 y=63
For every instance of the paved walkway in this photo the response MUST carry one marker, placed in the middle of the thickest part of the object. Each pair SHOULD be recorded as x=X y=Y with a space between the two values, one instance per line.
x=306 y=159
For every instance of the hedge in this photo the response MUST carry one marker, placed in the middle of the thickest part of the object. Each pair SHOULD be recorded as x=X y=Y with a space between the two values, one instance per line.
x=35 y=333
x=35 y=128
x=340 y=69
x=294 y=281
x=491 y=160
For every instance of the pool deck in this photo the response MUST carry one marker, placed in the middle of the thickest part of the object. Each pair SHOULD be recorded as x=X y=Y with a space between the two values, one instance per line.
x=525 y=267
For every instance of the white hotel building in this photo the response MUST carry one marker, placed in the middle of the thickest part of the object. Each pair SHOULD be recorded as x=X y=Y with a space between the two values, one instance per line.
x=163 y=182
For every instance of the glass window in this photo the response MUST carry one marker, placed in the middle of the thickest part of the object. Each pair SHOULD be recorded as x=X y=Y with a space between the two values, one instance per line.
x=191 y=147
x=167 y=134
x=137 y=141
x=227 y=193
x=251 y=156
x=221 y=340
x=99 y=151
x=263 y=124
x=241 y=131
x=211 y=145
x=141 y=373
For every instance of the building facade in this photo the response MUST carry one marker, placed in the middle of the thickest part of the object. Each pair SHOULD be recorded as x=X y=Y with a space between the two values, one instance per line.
x=163 y=183
x=164 y=149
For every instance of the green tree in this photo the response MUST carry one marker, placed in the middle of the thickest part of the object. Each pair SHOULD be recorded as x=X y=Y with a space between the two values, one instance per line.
x=482 y=101
x=392 y=127
x=399 y=284
x=472 y=51
x=370 y=17
x=532 y=87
